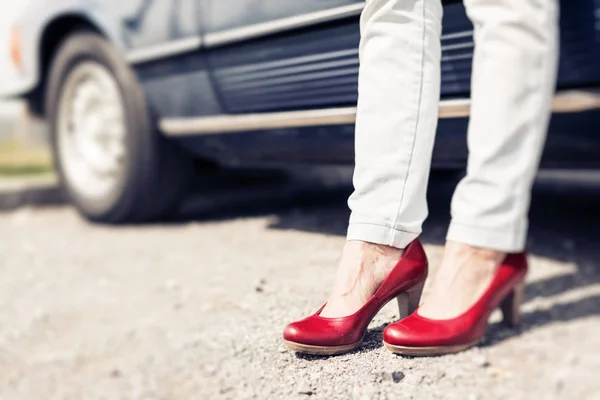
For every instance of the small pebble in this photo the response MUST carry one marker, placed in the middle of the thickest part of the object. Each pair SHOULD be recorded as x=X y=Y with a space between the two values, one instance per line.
x=305 y=389
x=480 y=360
x=260 y=286
x=397 y=376
x=115 y=373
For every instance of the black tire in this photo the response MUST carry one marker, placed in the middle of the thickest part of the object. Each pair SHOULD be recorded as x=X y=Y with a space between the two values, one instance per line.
x=156 y=172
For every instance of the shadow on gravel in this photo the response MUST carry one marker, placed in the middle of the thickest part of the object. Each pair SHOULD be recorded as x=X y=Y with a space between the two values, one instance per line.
x=44 y=194
x=561 y=312
x=372 y=341
x=564 y=226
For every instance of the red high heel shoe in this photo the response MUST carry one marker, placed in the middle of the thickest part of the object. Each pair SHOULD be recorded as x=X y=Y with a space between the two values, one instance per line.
x=420 y=336
x=329 y=336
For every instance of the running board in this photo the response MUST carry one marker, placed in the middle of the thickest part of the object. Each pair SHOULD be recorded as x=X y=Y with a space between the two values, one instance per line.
x=564 y=102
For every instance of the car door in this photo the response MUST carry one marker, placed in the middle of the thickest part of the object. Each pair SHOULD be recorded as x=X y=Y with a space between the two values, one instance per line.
x=270 y=55
x=149 y=23
x=164 y=47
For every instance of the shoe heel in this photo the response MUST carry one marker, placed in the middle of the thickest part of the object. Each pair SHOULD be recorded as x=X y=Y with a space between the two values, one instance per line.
x=409 y=301
x=511 y=305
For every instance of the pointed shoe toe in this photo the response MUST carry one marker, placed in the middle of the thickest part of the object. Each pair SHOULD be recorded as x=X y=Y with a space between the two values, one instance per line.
x=401 y=334
x=293 y=333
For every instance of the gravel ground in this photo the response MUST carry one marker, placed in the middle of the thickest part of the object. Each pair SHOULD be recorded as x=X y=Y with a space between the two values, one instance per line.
x=193 y=308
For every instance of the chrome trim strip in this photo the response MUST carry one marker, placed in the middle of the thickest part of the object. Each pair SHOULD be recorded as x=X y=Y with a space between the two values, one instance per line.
x=459 y=46
x=457 y=57
x=247 y=122
x=164 y=50
x=266 y=28
x=564 y=102
x=457 y=35
x=572 y=101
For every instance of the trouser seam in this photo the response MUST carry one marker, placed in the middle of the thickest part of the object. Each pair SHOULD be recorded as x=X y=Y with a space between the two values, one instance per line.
x=419 y=101
x=542 y=82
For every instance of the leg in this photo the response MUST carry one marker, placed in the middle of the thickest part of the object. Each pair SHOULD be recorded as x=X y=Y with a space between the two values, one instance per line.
x=515 y=65
x=513 y=82
x=399 y=84
x=399 y=89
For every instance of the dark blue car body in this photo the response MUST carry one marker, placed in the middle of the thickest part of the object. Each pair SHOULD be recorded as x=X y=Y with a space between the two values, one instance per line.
x=312 y=66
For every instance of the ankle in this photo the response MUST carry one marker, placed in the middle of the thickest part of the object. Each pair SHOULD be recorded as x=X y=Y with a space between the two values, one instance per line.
x=460 y=251
x=462 y=277
x=370 y=260
x=368 y=250
x=362 y=269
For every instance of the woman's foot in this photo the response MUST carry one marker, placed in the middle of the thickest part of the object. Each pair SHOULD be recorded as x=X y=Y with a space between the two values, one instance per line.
x=463 y=276
x=469 y=285
x=369 y=276
x=362 y=269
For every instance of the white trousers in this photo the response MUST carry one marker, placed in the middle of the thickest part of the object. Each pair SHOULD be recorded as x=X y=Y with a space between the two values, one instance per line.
x=514 y=74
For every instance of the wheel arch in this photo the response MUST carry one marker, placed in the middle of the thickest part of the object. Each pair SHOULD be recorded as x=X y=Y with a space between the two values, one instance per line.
x=53 y=32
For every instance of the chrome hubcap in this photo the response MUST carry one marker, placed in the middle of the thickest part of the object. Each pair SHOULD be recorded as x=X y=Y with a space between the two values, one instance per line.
x=91 y=130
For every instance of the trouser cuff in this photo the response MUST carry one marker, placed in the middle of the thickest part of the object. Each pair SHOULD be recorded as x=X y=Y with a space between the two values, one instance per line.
x=380 y=234
x=506 y=239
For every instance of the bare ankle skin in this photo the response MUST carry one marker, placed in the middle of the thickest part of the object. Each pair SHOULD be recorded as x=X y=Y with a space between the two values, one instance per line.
x=463 y=275
x=362 y=269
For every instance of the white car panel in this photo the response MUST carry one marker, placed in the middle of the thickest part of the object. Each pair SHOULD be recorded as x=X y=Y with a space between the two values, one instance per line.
x=32 y=17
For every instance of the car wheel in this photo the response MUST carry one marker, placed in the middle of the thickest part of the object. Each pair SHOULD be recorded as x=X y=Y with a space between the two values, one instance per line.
x=113 y=163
